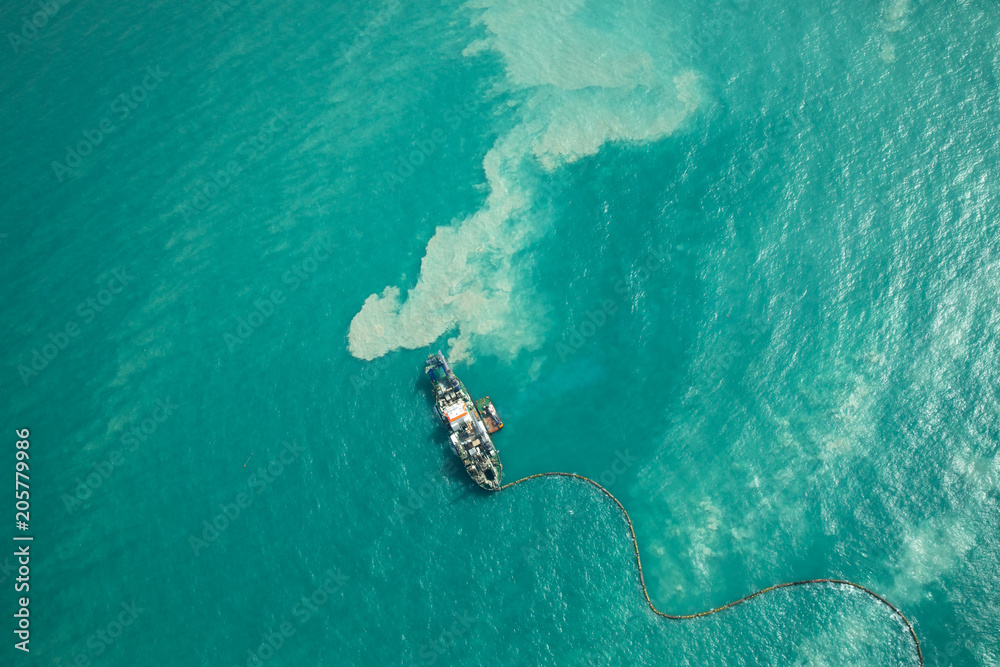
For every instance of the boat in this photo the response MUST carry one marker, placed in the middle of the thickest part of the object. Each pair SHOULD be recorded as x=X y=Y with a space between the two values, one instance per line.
x=470 y=423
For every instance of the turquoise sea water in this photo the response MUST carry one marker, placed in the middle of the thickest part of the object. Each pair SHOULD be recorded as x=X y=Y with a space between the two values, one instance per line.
x=736 y=260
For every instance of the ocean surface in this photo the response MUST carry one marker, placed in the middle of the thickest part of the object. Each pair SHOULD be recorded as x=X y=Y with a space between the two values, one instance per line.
x=736 y=260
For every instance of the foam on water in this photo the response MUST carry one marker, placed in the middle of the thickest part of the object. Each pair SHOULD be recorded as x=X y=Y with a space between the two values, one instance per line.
x=929 y=552
x=592 y=86
x=893 y=21
x=839 y=421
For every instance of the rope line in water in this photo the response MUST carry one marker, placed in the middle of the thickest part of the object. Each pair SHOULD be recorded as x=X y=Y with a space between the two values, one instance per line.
x=678 y=617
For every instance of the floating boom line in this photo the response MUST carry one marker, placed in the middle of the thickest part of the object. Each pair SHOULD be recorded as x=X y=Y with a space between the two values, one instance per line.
x=747 y=598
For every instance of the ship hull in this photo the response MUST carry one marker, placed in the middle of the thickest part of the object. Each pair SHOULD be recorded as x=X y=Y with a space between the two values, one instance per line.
x=470 y=424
